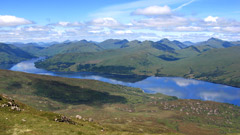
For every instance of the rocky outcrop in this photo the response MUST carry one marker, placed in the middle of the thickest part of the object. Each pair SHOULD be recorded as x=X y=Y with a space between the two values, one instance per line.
x=10 y=103
x=84 y=119
x=64 y=119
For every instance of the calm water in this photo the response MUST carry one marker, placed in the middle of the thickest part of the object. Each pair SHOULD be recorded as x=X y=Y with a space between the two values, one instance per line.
x=174 y=86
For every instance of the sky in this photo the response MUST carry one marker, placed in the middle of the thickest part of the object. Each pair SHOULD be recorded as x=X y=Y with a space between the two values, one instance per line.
x=98 y=20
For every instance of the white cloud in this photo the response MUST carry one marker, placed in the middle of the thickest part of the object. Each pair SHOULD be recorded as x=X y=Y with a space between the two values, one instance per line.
x=105 y=22
x=63 y=23
x=162 y=22
x=36 y=28
x=141 y=4
x=183 y=5
x=232 y=29
x=153 y=10
x=188 y=28
x=7 y=20
x=123 y=32
x=148 y=37
x=123 y=11
x=94 y=31
x=211 y=19
x=68 y=24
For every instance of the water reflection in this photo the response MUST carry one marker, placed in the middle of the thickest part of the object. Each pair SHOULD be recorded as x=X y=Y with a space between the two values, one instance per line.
x=185 y=82
x=174 y=86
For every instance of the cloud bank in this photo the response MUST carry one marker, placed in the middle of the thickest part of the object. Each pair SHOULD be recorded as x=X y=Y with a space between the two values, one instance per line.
x=143 y=20
x=7 y=20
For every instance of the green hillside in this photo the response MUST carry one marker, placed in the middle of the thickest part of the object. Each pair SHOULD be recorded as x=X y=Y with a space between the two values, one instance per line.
x=218 y=43
x=32 y=49
x=70 y=47
x=173 y=44
x=150 y=58
x=113 y=44
x=216 y=65
x=130 y=60
x=104 y=109
x=11 y=54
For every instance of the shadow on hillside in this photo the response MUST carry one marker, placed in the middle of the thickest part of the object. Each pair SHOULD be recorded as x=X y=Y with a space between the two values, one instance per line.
x=65 y=93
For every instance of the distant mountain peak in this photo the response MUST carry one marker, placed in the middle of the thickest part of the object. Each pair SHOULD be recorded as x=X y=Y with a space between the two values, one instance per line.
x=125 y=40
x=66 y=41
x=176 y=41
x=85 y=41
x=214 y=39
x=188 y=43
x=164 y=40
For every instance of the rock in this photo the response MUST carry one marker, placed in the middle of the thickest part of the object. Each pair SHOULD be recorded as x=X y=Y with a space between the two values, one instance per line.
x=23 y=120
x=90 y=120
x=3 y=105
x=78 y=117
x=10 y=103
x=64 y=119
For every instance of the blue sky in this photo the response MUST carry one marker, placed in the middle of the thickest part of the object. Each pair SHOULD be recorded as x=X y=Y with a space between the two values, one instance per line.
x=59 y=20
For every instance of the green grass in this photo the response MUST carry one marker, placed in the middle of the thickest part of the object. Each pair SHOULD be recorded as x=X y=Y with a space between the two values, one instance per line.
x=140 y=113
x=29 y=121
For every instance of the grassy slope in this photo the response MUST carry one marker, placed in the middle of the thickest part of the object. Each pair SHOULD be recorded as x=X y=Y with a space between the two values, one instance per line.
x=216 y=65
x=173 y=44
x=11 y=54
x=33 y=49
x=30 y=121
x=71 y=47
x=112 y=43
x=138 y=113
x=137 y=57
x=217 y=43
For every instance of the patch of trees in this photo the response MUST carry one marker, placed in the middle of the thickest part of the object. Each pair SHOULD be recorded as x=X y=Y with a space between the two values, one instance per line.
x=105 y=69
x=168 y=57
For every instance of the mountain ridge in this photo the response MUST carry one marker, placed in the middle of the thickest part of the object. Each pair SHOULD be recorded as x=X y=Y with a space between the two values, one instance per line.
x=11 y=54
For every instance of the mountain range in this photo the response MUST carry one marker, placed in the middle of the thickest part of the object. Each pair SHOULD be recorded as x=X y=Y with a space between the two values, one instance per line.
x=216 y=59
x=161 y=58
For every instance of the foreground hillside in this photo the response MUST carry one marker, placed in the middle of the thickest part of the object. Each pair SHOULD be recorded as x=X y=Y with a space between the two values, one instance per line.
x=114 y=108
x=19 y=119
x=214 y=60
